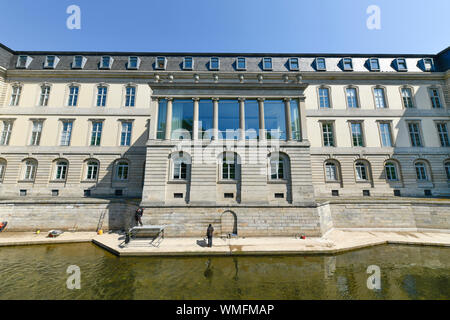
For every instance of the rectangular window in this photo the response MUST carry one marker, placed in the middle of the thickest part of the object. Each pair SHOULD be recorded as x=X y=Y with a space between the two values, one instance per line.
x=182 y=119
x=295 y=120
x=162 y=111
x=50 y=61
x=66 y=133
x=77 y=62
x=275 y=119
x=229 y=168
x=96 y=133
x=6 y=133
x=214 y=63
x=267 y=63
x=22 y=61
x=105 y=62
x=45 y=94
x=328 y=135
x=443 y=134
x=130 y=96
x=407 y=98
x=385 y=133
x=205 y=119
x=36 y=133
x=414 y=134
x=428 y=64
x=73 y=96
x=401 y=65
x=228 y=119
x=161 y=63
x=101 y=96
x=293 y=64
x=374 y=64
x=352 y=99
x=435 y=99
x=330 y=172
x=357 y=135
x=241 y=64
x=15 y=95
x=251 y=119
x=133 y=62
x=188 y=63
x=380 y=101
x=320 y=64
x=348 y=65
x=125 y=136
x=324 y=98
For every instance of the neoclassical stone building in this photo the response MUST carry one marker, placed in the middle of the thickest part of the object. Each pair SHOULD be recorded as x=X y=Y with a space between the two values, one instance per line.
x=255 y=140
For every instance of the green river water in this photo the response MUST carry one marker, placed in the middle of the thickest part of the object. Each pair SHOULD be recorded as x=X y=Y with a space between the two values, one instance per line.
x=407 y=272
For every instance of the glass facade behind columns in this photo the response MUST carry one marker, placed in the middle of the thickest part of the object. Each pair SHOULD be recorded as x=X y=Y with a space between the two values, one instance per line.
x=275 y=119
x=182 y=119
x=162 y=110
x=205 y=119
x=228 y=119
x=251 y=119
x=295 y=120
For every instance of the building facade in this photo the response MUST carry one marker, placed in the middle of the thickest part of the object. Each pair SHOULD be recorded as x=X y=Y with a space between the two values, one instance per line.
x=196 y=133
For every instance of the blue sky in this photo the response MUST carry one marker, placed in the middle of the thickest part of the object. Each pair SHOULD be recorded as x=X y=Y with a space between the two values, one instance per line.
x=318 y=26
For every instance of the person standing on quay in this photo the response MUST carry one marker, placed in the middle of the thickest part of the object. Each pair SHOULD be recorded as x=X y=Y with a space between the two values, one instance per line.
x=138 y=216
x=209 y=235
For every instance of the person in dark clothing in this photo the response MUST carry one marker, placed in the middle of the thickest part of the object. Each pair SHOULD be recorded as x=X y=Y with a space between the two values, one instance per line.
x=138 y=216
x=209 y=235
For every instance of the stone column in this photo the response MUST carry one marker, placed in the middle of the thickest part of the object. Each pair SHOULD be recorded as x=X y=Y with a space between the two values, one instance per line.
x=195 y=124
x=287 y=110
x=262 y=133
x=215 y=118
x=241 y=118
x=168 y=119
x=302 y=110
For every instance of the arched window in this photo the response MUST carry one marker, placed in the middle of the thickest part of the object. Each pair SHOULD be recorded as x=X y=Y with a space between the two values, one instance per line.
x=29 y=170
x=61 y=170
x=331 y=171
x=278 y=167
x=391 y=171
x=122 y=170
x=92 y=167
x=447 y=169
x=362 y=173
x=421 y=171
x=229 y=166
x=180 y=166
x=2 y=169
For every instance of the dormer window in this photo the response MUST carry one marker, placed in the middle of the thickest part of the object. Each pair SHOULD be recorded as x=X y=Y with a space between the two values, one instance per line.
x=267 y=63
x=214 y=63
x=161 y=63
x=106 y=62
x=293 y=64
x=428 y=64
x=241 y=63
x=188 y=63
x=401 y=65
x=23 y=62
x=133 y=62
x=374 y=64
x=78 y=62
x=347 y=64
x=51 y=62
x=320 y=64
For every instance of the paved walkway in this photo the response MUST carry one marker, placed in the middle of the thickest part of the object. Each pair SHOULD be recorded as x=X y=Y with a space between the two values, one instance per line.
x=333 y=242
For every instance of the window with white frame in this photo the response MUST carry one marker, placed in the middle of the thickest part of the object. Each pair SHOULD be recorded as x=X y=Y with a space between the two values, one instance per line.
x=36 y=132
x=229 y=166
x=15 y=95
x=385 y=134
x=324 y=97
x=321 y=64
x=102 y=92
x=328 y=134
x=122 y=170
x=6 y=132
x=435 y=98
x=125 y=135
x=352 y=97
x=2 y=169
x=391 y=171
x=361 y=171
x=414 y=134
x=51 y=62
x=357 y=134
x=73 y=96
x=214 y=63
x=66 y=132
x=380 y=99
x=179 y=168
x=78 y=62
x=23 y=62
x=293 y=64
x=133 y=63
x=106 y=62
x=241 y=63
x=61 y=170
x=30 y=167
x=331 y=171
x=374 y=64
x=92 y=170
x=277 y=167
x=96 y=134
x=347 y=64
x=267 y=63
x=161 y=63
x=45 y=95
x=130 y=96
x=428 y=64
x=421 y=171
x=188 y=63
x=447 y=169
x=407 y=97
x=443 y=134
x=401 y=64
